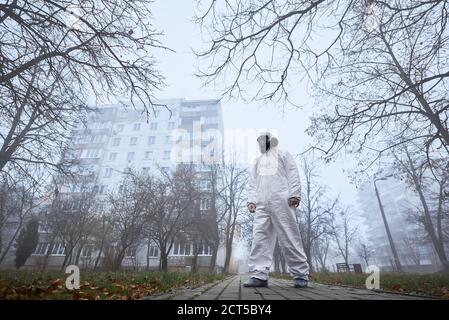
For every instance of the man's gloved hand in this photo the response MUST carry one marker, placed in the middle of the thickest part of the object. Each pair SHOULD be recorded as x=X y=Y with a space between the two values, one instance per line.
x=293 y=202
x=252 y=207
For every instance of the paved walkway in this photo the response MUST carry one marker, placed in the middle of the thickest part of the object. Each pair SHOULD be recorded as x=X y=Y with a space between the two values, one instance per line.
x=278 y=289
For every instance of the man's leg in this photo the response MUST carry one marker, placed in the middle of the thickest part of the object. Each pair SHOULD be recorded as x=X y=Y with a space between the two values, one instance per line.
x=284 y=222
x=264 y=239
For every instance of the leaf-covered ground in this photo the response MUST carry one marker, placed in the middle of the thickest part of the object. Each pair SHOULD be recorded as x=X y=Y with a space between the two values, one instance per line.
x=96 y=285
x=435 y=284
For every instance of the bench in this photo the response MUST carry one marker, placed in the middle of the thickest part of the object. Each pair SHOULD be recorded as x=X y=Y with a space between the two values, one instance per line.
x=349 y=268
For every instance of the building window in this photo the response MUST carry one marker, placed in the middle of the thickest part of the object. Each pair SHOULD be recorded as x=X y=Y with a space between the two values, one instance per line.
x=167 y=139
x=166 y=155
x=205 y=185
x=43 y=226
x=96 y=138
x=157 y=113
x=116 y=142
x=120 y=127
x=54 y=250
x=204 y=204
x=171 y=125
x=153 y=126
x=204 y=249
x=112 y=156
x=136 y=127
x=81 y=139
x=151 y=140
x=154 y=251
x=130 y=156
x=133 y=141
x=181 y=249
x=108 y=172
x=148 y=155
x=91 y=153
x=145 y=170
x=43 y=248
x=61 y=250
x=210 y=120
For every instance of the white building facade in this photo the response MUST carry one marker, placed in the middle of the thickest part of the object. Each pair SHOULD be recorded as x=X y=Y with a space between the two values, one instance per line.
x=118 y=138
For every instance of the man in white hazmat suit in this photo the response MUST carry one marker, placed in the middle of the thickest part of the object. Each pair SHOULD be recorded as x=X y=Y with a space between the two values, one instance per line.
x=273 y=194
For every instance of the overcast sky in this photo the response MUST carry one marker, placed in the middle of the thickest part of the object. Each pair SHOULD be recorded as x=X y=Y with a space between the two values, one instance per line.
x=174 y=19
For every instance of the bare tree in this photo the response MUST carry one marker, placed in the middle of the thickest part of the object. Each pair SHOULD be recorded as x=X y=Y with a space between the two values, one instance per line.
x=72 y=221
x=365 y=253
x=19 y=201
x=54 y=56
x=212 y=188
x=127 y=219
x=320 y=251
x=411 y=248
x=422 y=176
x=389 y=85
x=171 y=207
x=100 y=232
x=379 y=67
x=312 y=213
x=234 y=181
x=261 y=46
x=342 y=230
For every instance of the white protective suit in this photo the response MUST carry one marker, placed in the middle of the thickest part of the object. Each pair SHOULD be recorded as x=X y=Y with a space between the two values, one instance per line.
x=273 y=180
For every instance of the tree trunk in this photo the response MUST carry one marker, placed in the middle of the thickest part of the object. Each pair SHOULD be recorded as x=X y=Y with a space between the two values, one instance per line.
x=195 y=259
x=78 y=255
x=213 y=260
x=119 y=259
x=229 y=242
x=97 y=259
x=11 y=241
x=164 y=262
x=437 y=243
x=66 y=258
x=148 y=255
x=228 y=255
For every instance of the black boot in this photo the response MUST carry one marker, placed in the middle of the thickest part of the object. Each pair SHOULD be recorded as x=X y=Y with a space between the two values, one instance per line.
x=254 y=282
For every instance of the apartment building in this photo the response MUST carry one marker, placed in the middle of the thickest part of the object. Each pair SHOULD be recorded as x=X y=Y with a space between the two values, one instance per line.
x=415 y=254
x=119 y=138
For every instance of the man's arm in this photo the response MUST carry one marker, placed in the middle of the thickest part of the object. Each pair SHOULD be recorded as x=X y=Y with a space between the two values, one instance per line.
x=294 y=182
x=252 y=181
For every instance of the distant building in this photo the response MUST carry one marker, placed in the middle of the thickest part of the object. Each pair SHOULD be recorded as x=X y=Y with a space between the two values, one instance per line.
x=415 y=254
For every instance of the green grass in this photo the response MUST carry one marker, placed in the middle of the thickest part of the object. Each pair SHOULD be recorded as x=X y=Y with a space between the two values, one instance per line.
x=96 y=285
x=435 y=284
